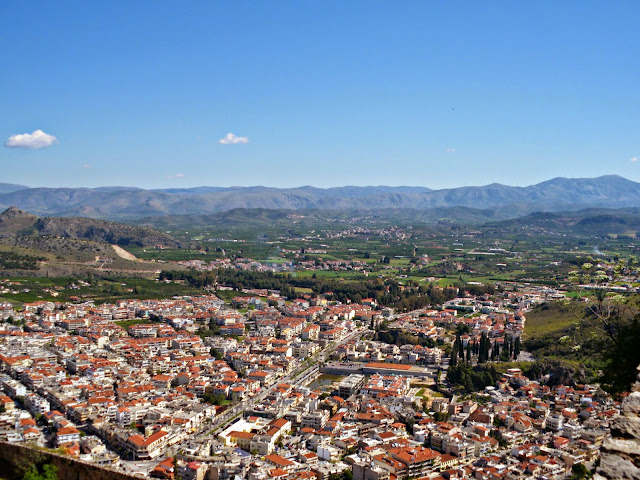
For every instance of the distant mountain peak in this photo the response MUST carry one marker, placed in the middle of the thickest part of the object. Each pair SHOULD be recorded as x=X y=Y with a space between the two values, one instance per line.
x=14 y=212
x=13 y=220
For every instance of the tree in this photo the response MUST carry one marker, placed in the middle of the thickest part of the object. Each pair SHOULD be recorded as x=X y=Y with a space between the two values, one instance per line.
x=623 y=357
x=441 y=416
x=214 y=399
x=463 y=328
x=216 y=354
x=516 y=348
x=464 y=377
x=579 y=471
x=49 y=472
x=454 y=356
x=483 y=355
x=617 y=319
x=347 y=474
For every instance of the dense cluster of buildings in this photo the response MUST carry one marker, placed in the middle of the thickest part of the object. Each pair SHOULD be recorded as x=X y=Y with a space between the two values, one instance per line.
x=190 y=387
x=377 y=428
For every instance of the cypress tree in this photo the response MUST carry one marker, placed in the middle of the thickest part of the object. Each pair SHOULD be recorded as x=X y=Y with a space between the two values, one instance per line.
x=483 y=356
x=487 y=347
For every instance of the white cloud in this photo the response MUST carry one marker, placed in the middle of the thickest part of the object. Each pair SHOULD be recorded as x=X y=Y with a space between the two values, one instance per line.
x=450 y=150
x=86 y=165
x=231 y=139
x=177 y=175
x=37 y=139
x=634 y=159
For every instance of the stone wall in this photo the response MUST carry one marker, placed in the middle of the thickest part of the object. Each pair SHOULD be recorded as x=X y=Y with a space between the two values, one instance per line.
x=15 y=460
x=621 y=453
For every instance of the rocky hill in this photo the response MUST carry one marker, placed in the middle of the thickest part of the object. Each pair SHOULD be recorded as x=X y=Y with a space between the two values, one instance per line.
x=15 y=222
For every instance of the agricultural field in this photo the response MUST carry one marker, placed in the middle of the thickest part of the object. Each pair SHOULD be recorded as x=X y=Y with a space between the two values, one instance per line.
x=20 y=290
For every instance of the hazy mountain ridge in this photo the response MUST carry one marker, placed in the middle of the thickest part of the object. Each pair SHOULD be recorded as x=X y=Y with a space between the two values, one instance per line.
x=590 y=221
x=281 y=218
x=125 y=202
x=11 y=187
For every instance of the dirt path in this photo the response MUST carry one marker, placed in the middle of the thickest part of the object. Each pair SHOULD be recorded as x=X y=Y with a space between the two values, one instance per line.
x=122 y=253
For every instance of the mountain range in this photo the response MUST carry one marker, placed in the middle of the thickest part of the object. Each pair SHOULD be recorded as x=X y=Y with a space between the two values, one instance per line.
x=558 y=194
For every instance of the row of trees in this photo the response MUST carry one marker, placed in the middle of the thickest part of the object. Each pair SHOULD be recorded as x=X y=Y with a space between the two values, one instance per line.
x=484 y=350
x=389 y=292
x=15 y=261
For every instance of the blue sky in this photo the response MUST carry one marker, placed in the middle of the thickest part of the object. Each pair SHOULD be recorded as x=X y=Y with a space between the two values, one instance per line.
x=327 y=93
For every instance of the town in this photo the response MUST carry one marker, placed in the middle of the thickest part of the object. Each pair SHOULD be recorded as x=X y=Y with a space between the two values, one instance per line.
x=265 y=386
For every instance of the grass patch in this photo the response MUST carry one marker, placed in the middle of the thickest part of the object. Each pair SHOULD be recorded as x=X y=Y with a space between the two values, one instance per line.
x=547 y=320
x=229 y=295
x=276 y=260
x=129 y=323
x=554 y=332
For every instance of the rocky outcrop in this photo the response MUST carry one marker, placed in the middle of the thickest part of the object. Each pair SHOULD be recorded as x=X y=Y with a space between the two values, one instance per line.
x=621 y=453
x=12 y=220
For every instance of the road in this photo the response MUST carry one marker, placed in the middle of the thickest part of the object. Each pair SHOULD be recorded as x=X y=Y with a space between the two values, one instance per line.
x=295 y=378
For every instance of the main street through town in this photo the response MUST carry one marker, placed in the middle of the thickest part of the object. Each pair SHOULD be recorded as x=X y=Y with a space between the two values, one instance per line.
x=305 y=374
